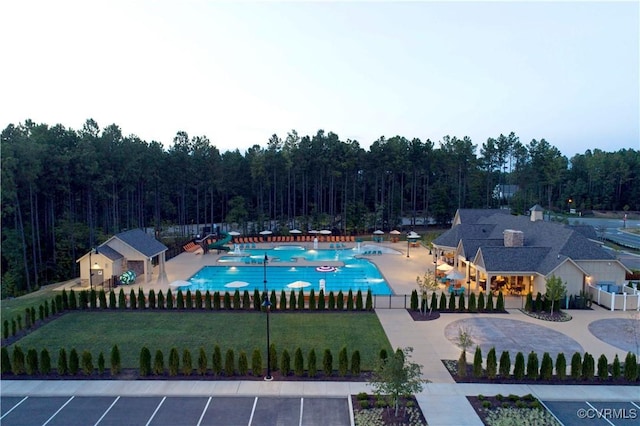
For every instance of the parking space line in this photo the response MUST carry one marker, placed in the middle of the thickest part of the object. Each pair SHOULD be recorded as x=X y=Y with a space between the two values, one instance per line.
x=14 y=407
x=301 y=410
x=204 y=411
x=352 y=419
x=253 y=410
x=594 y=408
x=107 y=410
x=59 y=409
x=155 y=411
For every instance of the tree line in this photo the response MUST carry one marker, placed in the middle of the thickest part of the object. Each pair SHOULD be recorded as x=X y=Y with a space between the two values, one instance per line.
x=66 y=190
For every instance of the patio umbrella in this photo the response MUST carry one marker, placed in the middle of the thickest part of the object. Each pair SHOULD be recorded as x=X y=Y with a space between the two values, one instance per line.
x=444 y=267
x=313 y=231
x=266 y=232
x=233 y=233
x=325 y=232
x=395 y=232
x=299 y=284
x=295 y=231
x=378 y=232
x=454 y=274
x=179 y=283
x=236 y=284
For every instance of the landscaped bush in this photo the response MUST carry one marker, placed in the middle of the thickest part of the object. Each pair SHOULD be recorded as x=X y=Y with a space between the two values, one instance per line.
x=350 y=300
x=208 y=305
x=383 y=355
x=65 y=299
x=616 y=369
x=82 y=304
x=141 y=299
x=327 y=362
x=576 y=366
x=174 y=362
x=528 y=305
x=538 y=305
x=321 y=301
x=489 y=307
x=122 y=300
x=518 y=367
x=298 y=363
x=74 y=362
x=630 y=367
x=112 y=300
x=45 y=361
x=227 y=300
x=332 y=301
x=101 y=363
x=180 y=300
x=546 y=367
x=292 y=300
x=533 y=371
x=472 y=303
x=216 y=361
x=236 y=300
x=477 y=363
x=243 y=363
x=187 y=364
x=198 y=299
x=202 y=361
x=133 y=303
x=359 y=301
x=452 y=302
x=170 y=299
x=588 y=366
x=492 y=363
x=246 y=301
x=312 y=366
x=434 y=302
x=116 y=363
x=500 y=302
x=481 y=302
x=355 y=363
x=273 y=357
x=300 y=300
x=442 y=305
x=256 y=362
x=17 y=362
x=31 y=366
x=461 y=303
x=229 y=363
x=145 y=362
x=462 y=363
x=340 y=301
x=73 y=302
x=561 y=366
x=87 y=363
x=369 y=301
x=257 y=300
x=63 y=366
x=285 y=365
x=158 y=363
x=312 y=300
x=343 y=362
x=603 y=368
x=216 y=300
x=152 y=299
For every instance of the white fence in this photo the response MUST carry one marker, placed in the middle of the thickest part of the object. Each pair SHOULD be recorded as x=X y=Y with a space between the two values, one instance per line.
x=628 y=300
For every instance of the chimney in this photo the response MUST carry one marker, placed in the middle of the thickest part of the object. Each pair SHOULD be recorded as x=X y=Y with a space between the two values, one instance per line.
x=513 y=238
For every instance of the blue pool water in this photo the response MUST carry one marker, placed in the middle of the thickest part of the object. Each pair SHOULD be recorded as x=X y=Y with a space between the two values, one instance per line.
x=356 y=274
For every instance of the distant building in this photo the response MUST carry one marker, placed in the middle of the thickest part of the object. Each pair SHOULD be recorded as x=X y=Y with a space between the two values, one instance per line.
x=504 y=192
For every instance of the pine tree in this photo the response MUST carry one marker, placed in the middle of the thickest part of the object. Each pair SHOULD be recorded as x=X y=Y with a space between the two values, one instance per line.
x=369 y=301
x=115 y=360
x=202 y=361
x=561 y=366
x=312 y=367
x=152 y=299
x=216 y=361
x=298 y=362
x=355 y=363
x=256 y=363
x=492 y=363
x=187 y=364
x=505 y=365
x=300 y=300
x=327 y=362
x=145 y=362
x=312 y=300
x=158 y=363
x=630 y=367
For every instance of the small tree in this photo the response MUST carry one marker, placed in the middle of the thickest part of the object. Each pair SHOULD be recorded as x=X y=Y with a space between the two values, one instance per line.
x=158 y=363
x=442 y=304
x=464 y=342
x=256 y=362
x=246 y=300
x=616 y=369
x=500 y=302
x=141 y=299
x=576 y=366
x=355 y=363
x=300 y=300
x=180 y=299
x=343 y=362
x=208 y=305
x=340 y=301
x=45 y=361
x=122 y=300
x=518 y=366
x=603 y=368
x=312 y=300
x=321 y=301
x=74 y=362
x=133 y=300
x=87 y=363
x=187 y=363
x=152 y=299
x=236 y=300
x=174 y=362
x=561 y=366
x=312 y=363
x=283 y=300
x=533 y=370
x=170 y=300
x=472 y=303
x=556 y=289
x=452 y=302
x=202 y=361
x=227 y=301
x=101 y=363
x=216 y=361
x=481 y=302
x=492 y=363
x=257 y=300
x=359 y=301
x=368 y=305
x=397 y=377
x=161 y=302
x=489 y=302
x=243 y=363
x=285 y=364
x=588 y=366
x=198 y=299
x=63 y=367
x=115 y=360
x=427 y=284
x=461 y=303
x=17 y=362
x=630 y=367
x=31 y=366
x=350 y=300
x=5 y=362
x=477 y=363
x=145 y=362
x=327 y=362
x=332 y=301
x=505 y=364
x=292 y=300
x=528 y=305
x=217 y=306
x=273 y=354
x=298 y=362
x=546 y=367
x=112 y=300
x=229 y=363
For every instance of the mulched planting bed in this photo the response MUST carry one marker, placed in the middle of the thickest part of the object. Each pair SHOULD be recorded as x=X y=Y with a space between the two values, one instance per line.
x=524 y=408
x=372 y=410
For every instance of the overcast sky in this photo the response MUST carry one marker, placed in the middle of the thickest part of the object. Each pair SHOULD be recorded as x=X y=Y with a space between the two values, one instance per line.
x=239 y=72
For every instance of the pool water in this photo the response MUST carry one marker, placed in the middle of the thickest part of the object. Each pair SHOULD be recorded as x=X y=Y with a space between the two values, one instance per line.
x=356 y=274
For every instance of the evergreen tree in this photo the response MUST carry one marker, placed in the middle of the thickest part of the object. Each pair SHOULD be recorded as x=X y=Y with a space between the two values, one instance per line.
x=180 y=300
x=312 y=367
x=472 y=303
x=145 y=362
x=528 y=305
x=292 y=300
x=359 y=301
x=369 y=301
x=505 y=365
x=477 y=363
x=87 y=363
x=561 y=366
x=443 y=302
x=576 y=366
x=142 y=303
x=533 y=366
x=350 y=300
x=112 y=300
x=122 y=301
x=209 y=306
x=174 y=361
x=216 y=361
x=285 y=366
x=588 y=366
x=74 y=362
x=5 y=362
x=300 y=300
x=158 y=363
x=327 y=362
x=630 y=367
x=312 y=300
x=546 y=367
x=101 y=363
x=500 y=302
x=31 y=366
x=343 y=362
x=133 y=303
x=170 y=300
x=461 y=303
x=492 y=363
x=45 y=361
x=489 y=307
x=236 y=300
x=332 y=301
x=63 y=366
x=298 y=362
x=187 y=363
x=202 y=361
x=274 y=357
x=256 y=362
x=229 y=363
x=603 y=368
x=115 y=360
x=616 y=369
x=243 y=363
x=413 y=303
x=340 y=301
x=152 y=299
x=17 y=362
x=452 y=302
x=198 y=299
x=321 y=301
x=246 y=300
x=355 y=363
x=161 y=303
x=518 y=367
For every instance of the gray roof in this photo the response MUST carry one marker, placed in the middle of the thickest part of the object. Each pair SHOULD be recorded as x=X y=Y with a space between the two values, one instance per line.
x=109 y=253
x=513 y=259
x=474 y=215
x=142 y=242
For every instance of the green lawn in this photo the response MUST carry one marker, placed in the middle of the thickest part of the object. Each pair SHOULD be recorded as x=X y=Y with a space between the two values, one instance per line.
x=12 y=307
x=131 y=330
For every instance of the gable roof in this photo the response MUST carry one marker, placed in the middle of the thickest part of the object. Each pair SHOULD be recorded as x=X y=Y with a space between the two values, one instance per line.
x=109 y=253
x=142 y=242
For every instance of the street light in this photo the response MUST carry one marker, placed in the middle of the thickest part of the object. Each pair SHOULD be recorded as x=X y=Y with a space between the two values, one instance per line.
x=267 y=305
x=91 y=267
x=408 y=244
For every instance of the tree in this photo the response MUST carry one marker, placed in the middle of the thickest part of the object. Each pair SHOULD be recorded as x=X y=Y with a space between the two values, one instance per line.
x=556 y=289
x=426 y=284
x=397 y=377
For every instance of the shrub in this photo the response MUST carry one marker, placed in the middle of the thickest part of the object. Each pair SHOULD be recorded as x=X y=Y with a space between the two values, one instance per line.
x=5 y=362
x=492 y=363
x=145 y=362
x=283 y=300
x=112 y=300
x=343 y=362
x=256 y=362
x=462 y=364
x=561 y=366
x=216 y=360
x=202 y=361
x=285 y=363
x=45 y=361
x=489 y=302
x=301 y=300
x=87 y=363
x=546 y=367
x=350 y=300
x=630 y=367
x=518 y=366
x=180 y=300
x=132 y=300
x=434 y=302
x=588 y=366
x=292 y=300
x=46 y=307
x=481 y=302
x=93 y=299
x=500 y=302
x=82 y=304
x=246 y=301
x=158 y=363
x=207 y=301
x=616 y=369
x=312 y=300
x=576 y=366
x=533 y=366
x=152 y=299
x=538 y=305
x=227 y=300
x=340 y=301
x=355 y=363
x=198 y=299
x=65 y=300
x=332 y=301
x=383 y=355
x=243 y=363
x=122 y=300
x=472 y=303
x=477 y=363
x=216 y=300
x=312 y=364
x=298 y=363
x=528 y=305
x=229 y=363
x=236 y=300
x=142 y=303
x=74 y=362
x=452 y=302
x=603 y=368
x=327 y=362
x=368 y=305
x=63 y=367
x=273 y=357
x=187 y=364
x=321 y=301
x=31 y=366
x=161 y=301
x=170 y=299
x=17 y=362
x=174 y=362
x=73 y=302
x=273 y=300
x=461 y=303
x=257 y=300
x=442 y=306
x=115 y=360
x=101 y=363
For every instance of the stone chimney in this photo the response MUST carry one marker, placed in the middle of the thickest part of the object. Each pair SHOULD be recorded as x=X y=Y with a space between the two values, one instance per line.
x=513 y=238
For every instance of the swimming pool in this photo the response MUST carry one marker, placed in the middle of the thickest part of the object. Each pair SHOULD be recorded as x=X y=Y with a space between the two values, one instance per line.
x=356 y=274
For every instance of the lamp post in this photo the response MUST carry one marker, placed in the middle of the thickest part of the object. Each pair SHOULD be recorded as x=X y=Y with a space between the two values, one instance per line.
x=93 y=249
x=267 y=305
x=408 y=245
x=468 y=281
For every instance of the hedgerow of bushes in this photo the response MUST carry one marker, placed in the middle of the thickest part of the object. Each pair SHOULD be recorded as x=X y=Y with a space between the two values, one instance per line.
x=453 y=303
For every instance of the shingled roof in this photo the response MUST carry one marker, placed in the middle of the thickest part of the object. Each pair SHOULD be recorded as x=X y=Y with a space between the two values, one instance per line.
x=142 y=242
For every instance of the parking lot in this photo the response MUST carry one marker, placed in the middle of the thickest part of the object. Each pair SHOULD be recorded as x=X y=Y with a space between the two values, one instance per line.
x=174 y=411
x=595 y=413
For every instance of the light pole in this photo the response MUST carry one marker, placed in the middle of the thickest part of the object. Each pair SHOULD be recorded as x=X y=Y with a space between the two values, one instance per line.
x=90 y=267
x=267 y=305
x=408 y=245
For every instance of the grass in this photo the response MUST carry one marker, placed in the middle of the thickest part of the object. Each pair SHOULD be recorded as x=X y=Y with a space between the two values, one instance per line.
x=131 y=330
x=12 y=307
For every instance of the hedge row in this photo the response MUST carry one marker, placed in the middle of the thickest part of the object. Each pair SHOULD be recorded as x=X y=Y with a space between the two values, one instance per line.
x=92 y=299
x=582 y=367
x=33 y=363
x=458 y=303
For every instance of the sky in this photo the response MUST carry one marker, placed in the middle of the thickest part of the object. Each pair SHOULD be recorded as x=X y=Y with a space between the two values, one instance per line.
x=238 y=72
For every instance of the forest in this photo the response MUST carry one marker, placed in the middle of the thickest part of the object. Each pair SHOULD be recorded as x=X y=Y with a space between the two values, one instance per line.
x=65 y=191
